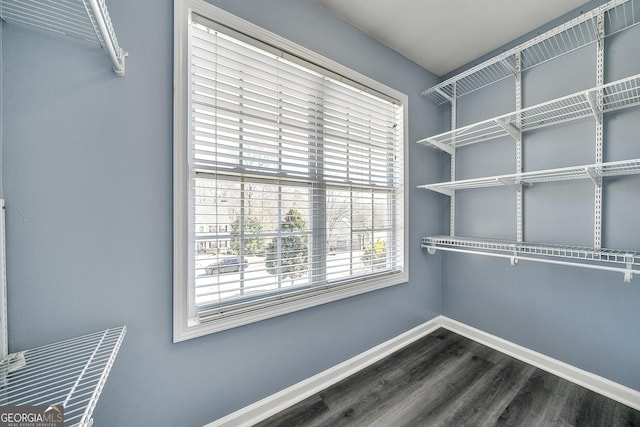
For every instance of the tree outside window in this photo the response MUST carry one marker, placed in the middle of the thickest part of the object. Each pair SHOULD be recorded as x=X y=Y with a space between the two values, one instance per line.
x=287 y=254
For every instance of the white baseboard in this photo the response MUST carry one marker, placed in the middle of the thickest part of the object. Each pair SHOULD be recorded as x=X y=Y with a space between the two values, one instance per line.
x=281 y=400
x=271 y=405
x=593 y=382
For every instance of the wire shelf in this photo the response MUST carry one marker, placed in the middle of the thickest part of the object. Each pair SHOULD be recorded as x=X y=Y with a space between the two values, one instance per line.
x=581 y=31
x=87 y=20
x=624 y=93
x=593 y=172
x=622 y=261
x=71 y=373
x=510 y=247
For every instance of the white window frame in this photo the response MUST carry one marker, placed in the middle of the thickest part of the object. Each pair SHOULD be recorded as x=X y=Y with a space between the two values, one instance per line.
x=182 y=330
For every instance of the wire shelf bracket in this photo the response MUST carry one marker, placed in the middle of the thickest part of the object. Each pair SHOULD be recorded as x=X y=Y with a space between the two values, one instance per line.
x=88 y=20
x=618 y=15
x=71 y=373
x=620 y=261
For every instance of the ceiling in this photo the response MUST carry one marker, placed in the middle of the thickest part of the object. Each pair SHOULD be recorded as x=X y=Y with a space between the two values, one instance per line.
x=443 y=35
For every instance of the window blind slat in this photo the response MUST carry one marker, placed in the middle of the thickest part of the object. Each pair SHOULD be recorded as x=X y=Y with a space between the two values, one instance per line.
x=283 y=114
x=296 y=178
x=262 y=73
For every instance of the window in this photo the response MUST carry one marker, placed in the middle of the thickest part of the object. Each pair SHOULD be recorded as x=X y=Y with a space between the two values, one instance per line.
x=288 y=176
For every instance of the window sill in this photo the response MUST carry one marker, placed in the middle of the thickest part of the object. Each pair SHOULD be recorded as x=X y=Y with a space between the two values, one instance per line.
x=232 y=320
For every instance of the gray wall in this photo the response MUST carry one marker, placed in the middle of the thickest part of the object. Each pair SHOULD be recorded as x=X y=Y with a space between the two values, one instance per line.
x=586 y=318
x=87 y=176
x=1 y=117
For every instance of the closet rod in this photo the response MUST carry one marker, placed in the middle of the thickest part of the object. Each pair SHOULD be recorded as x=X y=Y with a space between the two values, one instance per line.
x=628 y=272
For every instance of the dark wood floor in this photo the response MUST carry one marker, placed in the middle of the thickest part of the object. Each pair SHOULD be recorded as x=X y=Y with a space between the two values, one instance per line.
x=444 y=379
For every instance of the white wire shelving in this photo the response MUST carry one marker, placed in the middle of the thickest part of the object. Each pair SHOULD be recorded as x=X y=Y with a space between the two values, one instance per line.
x=71 y=373
x=593 y=172
x=622 y=261
x=88 y=20
x=617 y=95
x=580 y=31
x=590 y=27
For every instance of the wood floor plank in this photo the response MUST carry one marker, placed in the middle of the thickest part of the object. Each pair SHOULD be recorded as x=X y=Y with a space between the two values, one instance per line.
x=365 y=405
x=539 y=402
x=445 y=379
x=370 y=385
x=433 y=396
x=388 y=370
x=308 y=411
x=484 y=402
x=586 y=408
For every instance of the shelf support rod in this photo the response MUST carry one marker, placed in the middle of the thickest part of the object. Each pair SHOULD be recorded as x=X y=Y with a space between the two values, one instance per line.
x=518 y=124
x=116 y=53
x=443 y=94
x=446 y=148
x=452 y=201
x=446 y=191
x=592 y=97
x=514 y=183
x=599 y=142
x=514 y=258
x=510 y=128
x=509 y=66
x=86 y=417
x=84 y=369
x=600 y=29
x=595 y=177
x=628 y=273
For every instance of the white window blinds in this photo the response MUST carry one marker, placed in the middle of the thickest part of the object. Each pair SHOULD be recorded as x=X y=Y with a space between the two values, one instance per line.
x=296 y=178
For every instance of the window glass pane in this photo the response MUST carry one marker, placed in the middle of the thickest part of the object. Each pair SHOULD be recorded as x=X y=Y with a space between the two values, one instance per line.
x=251 y=238
x=296 y=176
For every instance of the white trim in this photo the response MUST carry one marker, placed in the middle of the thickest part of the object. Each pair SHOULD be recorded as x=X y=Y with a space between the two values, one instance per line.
x=593 y=382
x=180 y=172
x=182 y=328
x=271 y=405
x=274 y=310
x=281 y=400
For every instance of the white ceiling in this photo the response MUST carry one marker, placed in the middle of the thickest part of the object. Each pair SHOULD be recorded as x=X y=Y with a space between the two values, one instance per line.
x=442 y=35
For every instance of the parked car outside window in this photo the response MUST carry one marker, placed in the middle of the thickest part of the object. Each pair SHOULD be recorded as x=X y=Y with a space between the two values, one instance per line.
x=227 y=265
